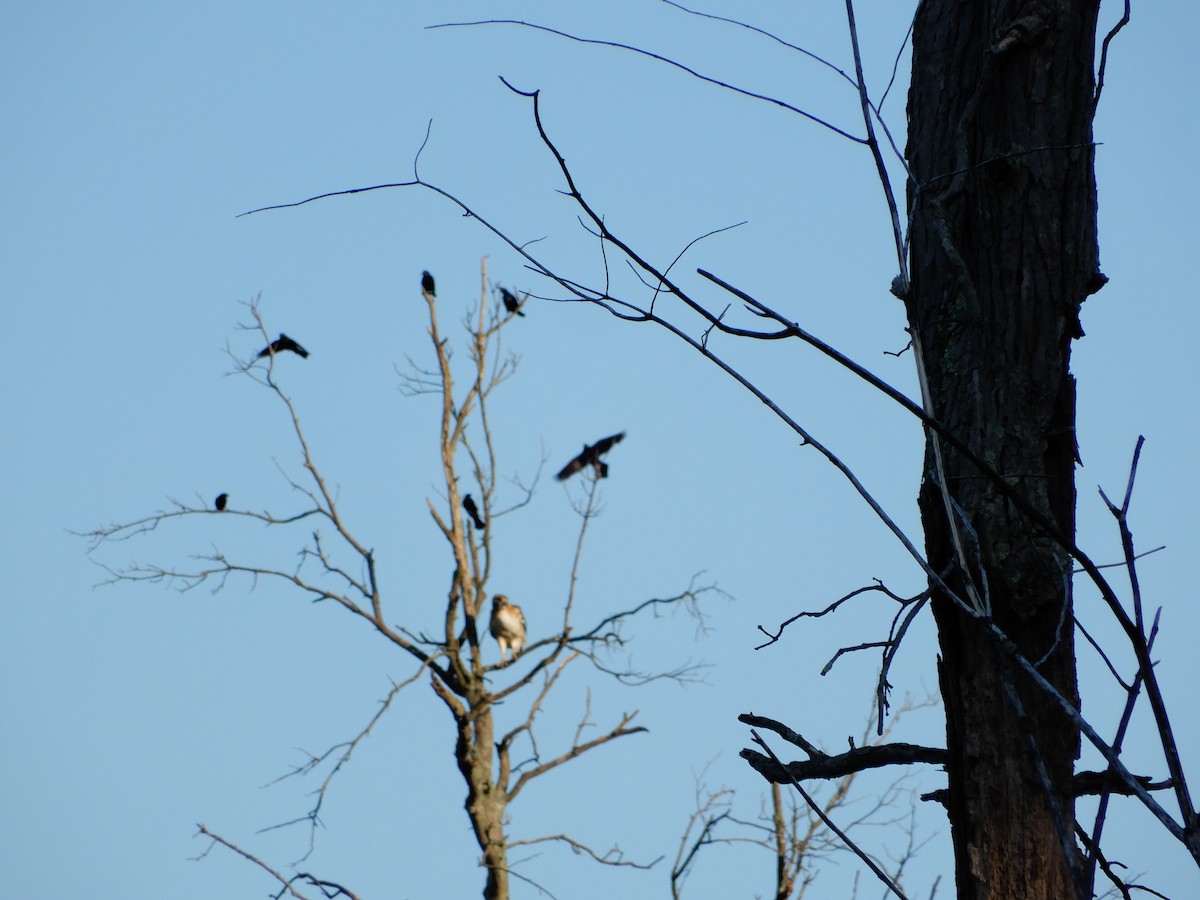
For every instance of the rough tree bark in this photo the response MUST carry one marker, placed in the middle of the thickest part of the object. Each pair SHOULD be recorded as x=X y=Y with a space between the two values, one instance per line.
x=487 y=800
x=1003 y=252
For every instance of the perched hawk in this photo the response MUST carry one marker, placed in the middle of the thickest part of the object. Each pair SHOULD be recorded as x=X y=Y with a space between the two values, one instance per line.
x=281 y=343
x=511 y=303
x=468 y=504
x=590 y=456
x=222 y=499
x=427 y=284
x=508 y=626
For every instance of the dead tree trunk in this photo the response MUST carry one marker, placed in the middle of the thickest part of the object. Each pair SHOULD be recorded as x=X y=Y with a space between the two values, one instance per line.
x=1003 y=252
x=486 y=800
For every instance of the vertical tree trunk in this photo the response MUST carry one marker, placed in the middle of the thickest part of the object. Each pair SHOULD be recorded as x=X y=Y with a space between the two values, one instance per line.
x=486 y=802
x=1003 y=252
x=784 y=882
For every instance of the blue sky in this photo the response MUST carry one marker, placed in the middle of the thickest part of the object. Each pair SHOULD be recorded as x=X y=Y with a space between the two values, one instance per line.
x=137 y=132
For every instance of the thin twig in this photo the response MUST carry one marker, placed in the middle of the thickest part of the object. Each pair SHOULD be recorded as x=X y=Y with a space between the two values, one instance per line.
x=663 y=59
x=830 y=824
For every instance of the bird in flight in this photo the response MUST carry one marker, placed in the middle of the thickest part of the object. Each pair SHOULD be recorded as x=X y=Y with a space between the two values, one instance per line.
x=281 y=343
x=508 y=626
x=473 y=511
x=511 y=303
x=427 y=284
x=590 y=456
x=222 y=499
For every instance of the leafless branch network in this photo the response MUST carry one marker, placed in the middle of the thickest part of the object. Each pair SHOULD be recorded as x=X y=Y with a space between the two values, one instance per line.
x=335 y=564
x=973 y=600
x=341 y=754
x=328 y=889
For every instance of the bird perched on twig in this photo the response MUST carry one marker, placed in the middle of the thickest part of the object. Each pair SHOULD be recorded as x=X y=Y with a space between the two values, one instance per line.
x=468 y=504
x=511 y=303
x=222 y=499
x=281 y=343
x=508 y=626
x=590 y=456
x=427 y=284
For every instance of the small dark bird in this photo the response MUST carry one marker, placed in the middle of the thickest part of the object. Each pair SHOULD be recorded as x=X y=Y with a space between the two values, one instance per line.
x=281 y=343
x=222 y=499
x=427 y=284
x=473 y=511
x=511 y=303
x=590 y=456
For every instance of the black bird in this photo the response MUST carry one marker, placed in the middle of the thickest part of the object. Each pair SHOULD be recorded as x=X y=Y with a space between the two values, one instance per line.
x=222 y=499
x=281 y=343
x=473 y=511
x=590 y=456
x=427 y=284
x=511 y=303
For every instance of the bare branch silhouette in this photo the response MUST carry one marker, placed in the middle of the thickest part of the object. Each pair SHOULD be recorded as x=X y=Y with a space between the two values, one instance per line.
x=335 y=564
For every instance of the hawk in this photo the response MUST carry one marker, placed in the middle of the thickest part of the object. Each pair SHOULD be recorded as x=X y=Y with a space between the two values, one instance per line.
x=468 y=504
x=511 y=303
x=281 y=343
x=427 y=284
x=508 y=626
x=590 y=456
x=222 y=499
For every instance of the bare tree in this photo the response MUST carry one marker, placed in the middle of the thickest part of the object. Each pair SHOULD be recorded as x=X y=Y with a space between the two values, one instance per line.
x=795 y=836
x=498 y=756
x=996 y=250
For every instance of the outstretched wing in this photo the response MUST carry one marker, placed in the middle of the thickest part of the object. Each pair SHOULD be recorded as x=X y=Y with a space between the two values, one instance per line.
x=286 y=343
x=603 y=445
x=575 y=465
x=590 y=456
x=281 y=343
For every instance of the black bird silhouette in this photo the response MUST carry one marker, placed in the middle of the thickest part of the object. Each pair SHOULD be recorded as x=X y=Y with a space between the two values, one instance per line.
x=281 y=343
x=590 y=456
x=511 y=303
x=427 y=284
x=473 y=511
x=222 y=499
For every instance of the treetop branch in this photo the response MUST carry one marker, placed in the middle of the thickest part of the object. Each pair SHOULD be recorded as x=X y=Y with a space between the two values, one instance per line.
x=663 y=59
